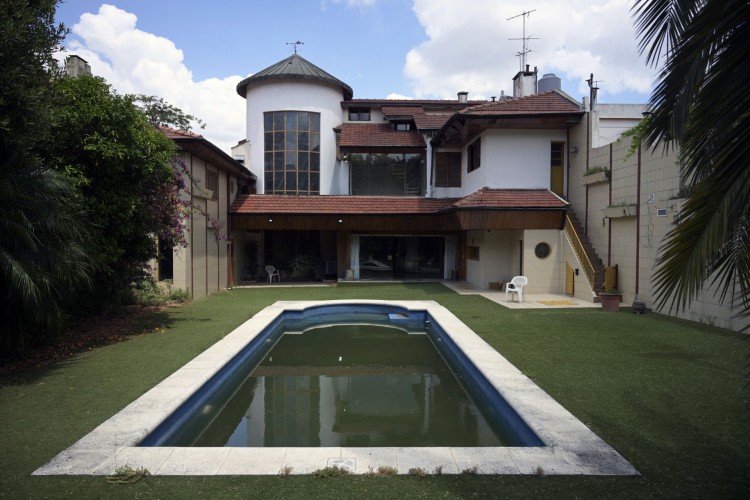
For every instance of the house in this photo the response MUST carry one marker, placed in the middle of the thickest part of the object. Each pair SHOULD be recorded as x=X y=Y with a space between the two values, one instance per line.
x=205 y=265
x=481 y=191
x=402 y=189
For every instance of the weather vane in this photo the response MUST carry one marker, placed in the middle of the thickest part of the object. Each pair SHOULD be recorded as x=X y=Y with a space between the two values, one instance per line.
x=295 y=44
x=525 y=50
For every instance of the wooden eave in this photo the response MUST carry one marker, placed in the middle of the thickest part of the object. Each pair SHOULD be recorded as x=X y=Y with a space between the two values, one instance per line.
x=449 y=221
x=462 y=128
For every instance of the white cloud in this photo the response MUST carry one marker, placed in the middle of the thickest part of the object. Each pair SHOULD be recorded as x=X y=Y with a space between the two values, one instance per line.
x=137 y=62
x=469 y=47
x=399 y=97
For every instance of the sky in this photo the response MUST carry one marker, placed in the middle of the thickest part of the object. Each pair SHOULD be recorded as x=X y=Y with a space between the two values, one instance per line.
x=193 y=53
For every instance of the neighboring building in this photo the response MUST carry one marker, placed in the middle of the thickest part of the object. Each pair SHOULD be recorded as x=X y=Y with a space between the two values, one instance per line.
x=204 y=266
x=627 y=214
x=417 y=189
x=76 y=66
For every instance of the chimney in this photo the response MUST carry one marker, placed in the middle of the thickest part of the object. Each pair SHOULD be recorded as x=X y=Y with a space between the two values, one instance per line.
x=76 y=66
x=463 y=96
x=525 y=83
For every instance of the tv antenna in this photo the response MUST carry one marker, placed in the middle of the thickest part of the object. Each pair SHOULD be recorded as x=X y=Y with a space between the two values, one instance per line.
x=594 y=89
x=295 y=44
x=525 y=47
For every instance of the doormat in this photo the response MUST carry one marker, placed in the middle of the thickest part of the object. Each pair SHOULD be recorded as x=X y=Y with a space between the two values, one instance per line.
x=557 y=303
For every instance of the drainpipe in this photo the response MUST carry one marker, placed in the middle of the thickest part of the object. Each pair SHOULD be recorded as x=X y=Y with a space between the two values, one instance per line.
x=588 y=154
x=609 y=223
x=192 y=262
x=230 y=251
x=638 y=225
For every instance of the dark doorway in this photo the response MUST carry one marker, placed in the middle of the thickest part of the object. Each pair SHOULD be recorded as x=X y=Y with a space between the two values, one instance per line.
x=166 y=261
x=401 y=257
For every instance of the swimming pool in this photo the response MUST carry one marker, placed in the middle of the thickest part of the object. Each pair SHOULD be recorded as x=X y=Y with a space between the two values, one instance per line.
x=347 y=375
x=566 y=446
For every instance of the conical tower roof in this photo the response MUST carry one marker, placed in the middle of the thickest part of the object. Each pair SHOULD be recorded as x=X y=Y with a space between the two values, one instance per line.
x=294 y=67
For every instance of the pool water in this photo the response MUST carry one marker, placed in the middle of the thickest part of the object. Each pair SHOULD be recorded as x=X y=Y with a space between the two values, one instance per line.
x=350 y=376
x=349 y=385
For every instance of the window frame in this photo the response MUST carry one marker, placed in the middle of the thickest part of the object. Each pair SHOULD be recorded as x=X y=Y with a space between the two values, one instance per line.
x=474 y=155
x=284 y=162
x=360 y=114
x=447 y=169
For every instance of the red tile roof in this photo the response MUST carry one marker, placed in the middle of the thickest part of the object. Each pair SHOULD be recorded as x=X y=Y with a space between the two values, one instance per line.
x=431 y=121
x=286 y=204
x=422 y=120
x=544 y=103
x=485 y=198
x=410 y=102
x=377 y=135
x=174 y=133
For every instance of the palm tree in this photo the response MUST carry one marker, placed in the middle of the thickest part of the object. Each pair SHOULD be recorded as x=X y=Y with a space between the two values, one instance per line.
x=701 y=103
x=43 y=252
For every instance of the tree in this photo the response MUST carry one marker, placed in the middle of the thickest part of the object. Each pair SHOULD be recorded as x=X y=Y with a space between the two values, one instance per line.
x=701 y=103
x=44 y=246
x=121 y=165
x=162 y=114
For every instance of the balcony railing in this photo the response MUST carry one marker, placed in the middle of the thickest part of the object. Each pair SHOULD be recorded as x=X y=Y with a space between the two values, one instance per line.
x=575 y=241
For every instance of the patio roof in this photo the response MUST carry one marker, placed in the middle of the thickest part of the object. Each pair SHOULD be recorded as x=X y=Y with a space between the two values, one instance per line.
x=484 y=209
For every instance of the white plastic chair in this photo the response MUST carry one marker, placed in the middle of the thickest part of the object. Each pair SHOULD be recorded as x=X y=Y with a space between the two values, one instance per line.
x=516 y=286
x=272 y=271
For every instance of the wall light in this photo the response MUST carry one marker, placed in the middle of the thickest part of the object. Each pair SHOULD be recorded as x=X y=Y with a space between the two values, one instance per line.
x=573 y=149
x=270 y=220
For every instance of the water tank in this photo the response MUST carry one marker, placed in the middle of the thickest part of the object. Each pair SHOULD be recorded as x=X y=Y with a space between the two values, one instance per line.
x=548 y=82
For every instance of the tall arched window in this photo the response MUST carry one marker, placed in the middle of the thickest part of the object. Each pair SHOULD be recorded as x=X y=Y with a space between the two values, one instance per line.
x=292 y=152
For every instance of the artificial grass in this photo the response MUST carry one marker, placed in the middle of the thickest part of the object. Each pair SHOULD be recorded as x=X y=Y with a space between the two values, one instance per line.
x=667 y=394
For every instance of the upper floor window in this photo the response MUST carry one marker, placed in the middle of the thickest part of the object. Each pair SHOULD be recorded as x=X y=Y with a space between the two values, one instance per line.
x=387 y=174
x=402 y=126
x=448 y=170
x=359 y=114
x=291 y=152
x=474 y=155
x=212 y=183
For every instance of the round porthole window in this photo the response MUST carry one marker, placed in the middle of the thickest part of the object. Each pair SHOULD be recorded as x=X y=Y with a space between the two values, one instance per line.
x=542 y=250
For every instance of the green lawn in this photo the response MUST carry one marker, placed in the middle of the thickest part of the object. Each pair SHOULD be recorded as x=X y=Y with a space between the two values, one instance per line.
x=667 y=394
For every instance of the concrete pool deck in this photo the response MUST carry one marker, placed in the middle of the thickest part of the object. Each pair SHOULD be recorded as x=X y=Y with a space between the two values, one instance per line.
x=571 y=448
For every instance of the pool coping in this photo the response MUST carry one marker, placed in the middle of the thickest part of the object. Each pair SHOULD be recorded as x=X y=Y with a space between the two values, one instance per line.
x=571 y=447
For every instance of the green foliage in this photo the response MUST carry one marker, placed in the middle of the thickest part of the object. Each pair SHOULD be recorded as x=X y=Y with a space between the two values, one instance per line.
x=162 y=114
x=417 y=471
x=121 y=165
x=700 y=103
x=382 y=471
x=637 y=133
x=128 y=475
x=149 y=292
x=45 y=247
x=329 y=472
x=596 y=170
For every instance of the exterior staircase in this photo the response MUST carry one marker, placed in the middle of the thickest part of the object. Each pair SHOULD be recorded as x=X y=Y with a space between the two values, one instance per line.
x=593 y=267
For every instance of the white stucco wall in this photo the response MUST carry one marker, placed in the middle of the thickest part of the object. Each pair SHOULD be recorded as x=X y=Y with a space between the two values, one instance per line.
x=298 y=96
x=512 y=159
x=545 y=275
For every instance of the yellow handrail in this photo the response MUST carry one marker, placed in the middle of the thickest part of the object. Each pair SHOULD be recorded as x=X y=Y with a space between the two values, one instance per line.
x=588 y=267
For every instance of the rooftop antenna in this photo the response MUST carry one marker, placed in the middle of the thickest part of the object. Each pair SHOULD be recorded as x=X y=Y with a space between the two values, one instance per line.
x=295 y=44
x=522 y=55
x=593 y=86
